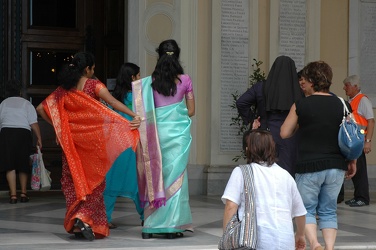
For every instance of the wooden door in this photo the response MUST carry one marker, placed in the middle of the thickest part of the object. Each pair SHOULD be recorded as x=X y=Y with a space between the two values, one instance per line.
x=49 y=34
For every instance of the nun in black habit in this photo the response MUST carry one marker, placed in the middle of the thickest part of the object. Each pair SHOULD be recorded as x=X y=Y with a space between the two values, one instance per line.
x=280 y=91
x=273 y=99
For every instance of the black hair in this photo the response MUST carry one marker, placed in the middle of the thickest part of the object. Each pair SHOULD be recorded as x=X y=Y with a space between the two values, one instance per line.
x=300 y=74
x=73 y=71
x=124 y=80
x=13 y=88
x=168 y=68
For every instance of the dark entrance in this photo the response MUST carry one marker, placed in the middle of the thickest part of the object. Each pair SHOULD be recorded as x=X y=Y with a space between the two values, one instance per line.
x=38 y=36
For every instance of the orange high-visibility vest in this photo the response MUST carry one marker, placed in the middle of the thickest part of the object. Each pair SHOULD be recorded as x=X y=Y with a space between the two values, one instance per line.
x=361 y=120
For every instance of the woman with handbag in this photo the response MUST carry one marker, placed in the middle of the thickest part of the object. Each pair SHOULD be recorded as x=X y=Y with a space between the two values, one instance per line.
x=276 y=198
x=321 y=167
x=17 y=119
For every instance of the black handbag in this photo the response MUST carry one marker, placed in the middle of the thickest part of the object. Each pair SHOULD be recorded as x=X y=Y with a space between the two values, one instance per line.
x=242 y=234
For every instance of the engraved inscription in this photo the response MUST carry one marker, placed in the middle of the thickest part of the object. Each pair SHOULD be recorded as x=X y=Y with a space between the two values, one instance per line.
x=292 y=30
x=367 y=41
x=234 y=67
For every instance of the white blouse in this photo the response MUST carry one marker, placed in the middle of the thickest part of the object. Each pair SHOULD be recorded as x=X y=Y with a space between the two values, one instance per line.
x=17 y=112
x=277 y=202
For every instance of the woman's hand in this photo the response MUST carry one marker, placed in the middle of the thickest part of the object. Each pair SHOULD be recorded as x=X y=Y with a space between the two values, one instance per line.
x=136 y=122
x=256 y=123
x=39 y=143
x=300 y=242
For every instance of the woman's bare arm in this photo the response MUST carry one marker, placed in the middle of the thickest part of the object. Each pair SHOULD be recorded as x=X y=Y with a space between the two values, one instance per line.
x=43 y=113
x=105 y=95
x=36 y=130
x=291 y=123
x=191 y=107
x=230 y=210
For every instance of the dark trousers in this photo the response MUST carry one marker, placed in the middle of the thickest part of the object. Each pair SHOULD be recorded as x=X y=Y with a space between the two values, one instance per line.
x=287 y=149
x=360 y=181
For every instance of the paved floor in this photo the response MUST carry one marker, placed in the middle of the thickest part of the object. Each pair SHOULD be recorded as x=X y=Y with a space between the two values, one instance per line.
x=38 y=225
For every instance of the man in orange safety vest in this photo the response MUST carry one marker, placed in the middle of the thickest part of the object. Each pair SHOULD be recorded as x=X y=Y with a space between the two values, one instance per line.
x=363 y=113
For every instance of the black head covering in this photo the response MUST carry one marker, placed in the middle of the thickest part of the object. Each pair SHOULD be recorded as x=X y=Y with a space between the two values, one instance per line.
x=281 y=88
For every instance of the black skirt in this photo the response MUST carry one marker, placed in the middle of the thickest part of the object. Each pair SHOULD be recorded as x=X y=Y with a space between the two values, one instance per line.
x=15 y=149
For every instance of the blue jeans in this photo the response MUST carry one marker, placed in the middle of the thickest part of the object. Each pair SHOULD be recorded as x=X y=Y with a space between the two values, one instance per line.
x=319 y=191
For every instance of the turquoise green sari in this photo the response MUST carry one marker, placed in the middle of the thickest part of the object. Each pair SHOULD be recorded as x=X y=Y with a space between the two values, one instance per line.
x=121 y=179
x=172 y=141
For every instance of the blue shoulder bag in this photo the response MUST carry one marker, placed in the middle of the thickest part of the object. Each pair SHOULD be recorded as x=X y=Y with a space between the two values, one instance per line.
x=350 y=135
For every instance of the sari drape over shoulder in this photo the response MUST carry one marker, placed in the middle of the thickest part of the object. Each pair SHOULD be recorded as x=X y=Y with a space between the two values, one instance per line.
x=92 y=137
x=149 y=158
x=167 y=136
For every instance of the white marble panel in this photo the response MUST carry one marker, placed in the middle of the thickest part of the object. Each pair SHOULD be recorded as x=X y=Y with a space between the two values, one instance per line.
x=362 y=49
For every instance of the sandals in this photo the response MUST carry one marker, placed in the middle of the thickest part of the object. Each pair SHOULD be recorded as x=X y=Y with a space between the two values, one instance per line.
x=147 y=235
x=174 y=235
x=13 y=199
x=112 y=225
x=78 y=235
x=168 y=235
x=86 y=230
x=24 y=198
x=179 y=235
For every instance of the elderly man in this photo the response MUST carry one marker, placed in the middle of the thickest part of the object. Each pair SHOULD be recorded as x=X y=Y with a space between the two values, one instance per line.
x=363 y=113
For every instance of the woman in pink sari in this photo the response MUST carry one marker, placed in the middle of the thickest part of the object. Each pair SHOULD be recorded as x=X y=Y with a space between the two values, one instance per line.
x=92 y=137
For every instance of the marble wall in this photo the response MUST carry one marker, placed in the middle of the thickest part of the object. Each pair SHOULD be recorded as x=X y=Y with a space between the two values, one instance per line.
x=219 y=39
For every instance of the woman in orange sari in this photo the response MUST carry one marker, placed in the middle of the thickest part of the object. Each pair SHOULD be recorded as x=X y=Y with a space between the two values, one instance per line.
x=91 y=136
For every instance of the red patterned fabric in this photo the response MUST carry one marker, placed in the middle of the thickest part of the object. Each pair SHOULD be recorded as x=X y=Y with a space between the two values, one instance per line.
x=92 y=136
x=92 y=210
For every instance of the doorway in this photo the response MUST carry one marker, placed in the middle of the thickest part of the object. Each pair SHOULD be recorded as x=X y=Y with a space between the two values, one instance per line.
x=45 y=34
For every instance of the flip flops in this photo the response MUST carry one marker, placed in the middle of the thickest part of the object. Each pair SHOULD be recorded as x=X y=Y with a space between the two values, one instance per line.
x=112 y=225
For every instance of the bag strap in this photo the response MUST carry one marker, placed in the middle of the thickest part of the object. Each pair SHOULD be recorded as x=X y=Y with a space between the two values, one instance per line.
x=345 y=109
x=249 y=208
x=347 y=114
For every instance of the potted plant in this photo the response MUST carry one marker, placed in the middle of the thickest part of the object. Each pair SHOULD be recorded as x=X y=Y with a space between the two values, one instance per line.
x=256 y=76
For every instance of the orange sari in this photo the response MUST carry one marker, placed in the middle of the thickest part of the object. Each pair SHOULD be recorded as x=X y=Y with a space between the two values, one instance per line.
x=92 y=136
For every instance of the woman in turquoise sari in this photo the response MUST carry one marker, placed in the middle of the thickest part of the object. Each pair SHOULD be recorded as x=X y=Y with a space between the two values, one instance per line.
x=121 y=180
x=166 y=102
